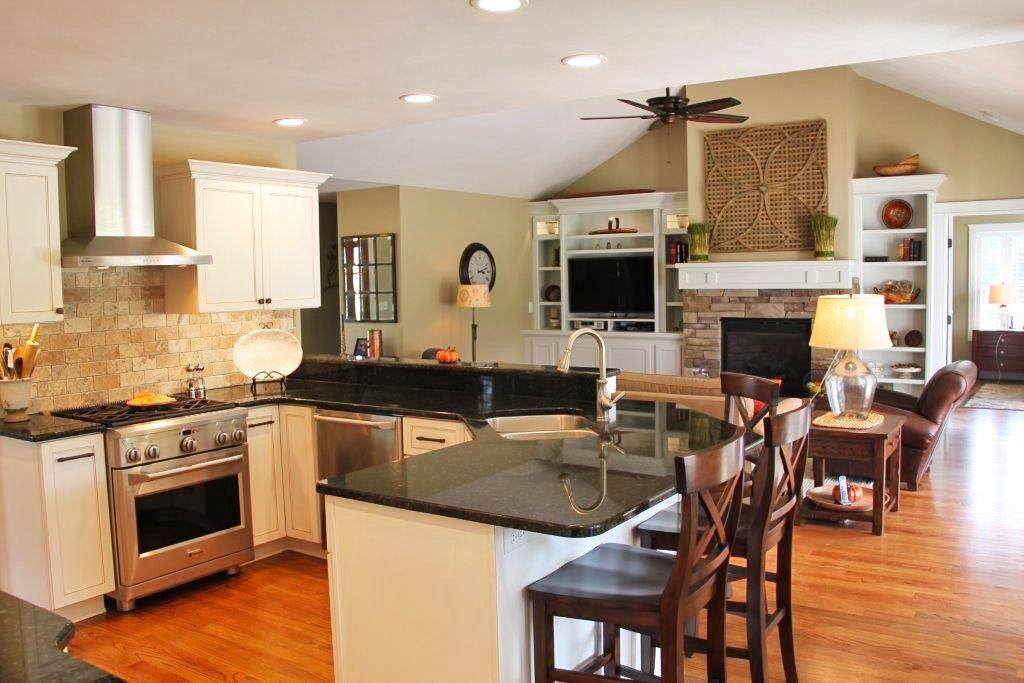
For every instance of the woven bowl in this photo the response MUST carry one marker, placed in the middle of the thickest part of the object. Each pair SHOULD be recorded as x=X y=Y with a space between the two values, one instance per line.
x=905 y=167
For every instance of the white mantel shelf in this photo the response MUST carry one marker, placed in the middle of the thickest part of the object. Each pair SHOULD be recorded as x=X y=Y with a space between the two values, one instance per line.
x=767 y=274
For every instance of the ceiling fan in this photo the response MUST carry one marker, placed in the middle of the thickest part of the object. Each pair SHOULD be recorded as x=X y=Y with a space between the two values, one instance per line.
x=672 y=107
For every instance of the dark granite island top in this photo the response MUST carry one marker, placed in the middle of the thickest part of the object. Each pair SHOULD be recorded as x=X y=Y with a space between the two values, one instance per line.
x=519 y=484
x=31 y=642
x=399 y=400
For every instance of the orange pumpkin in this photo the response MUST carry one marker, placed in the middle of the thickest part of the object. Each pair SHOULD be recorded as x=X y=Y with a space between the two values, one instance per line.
x=448 y=355
x=854 y=490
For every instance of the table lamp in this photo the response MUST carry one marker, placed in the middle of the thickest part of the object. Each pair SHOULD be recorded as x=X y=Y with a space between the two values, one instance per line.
x=1004 y=295
x=473 y=297
x=847 y=323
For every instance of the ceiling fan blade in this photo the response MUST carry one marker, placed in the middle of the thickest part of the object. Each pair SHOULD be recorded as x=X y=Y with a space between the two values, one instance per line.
x=717 y=118
x=712 y=105
x=601 y=118
x=637 y=104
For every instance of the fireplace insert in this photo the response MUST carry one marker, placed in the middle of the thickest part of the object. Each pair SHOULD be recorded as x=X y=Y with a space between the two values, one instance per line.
x=775 y=348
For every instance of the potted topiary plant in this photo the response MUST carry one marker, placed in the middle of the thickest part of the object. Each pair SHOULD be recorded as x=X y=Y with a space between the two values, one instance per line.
x=823 y=227
x=700 y=240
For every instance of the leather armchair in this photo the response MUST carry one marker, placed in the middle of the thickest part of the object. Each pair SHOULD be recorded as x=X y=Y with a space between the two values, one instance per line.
x=926 y=418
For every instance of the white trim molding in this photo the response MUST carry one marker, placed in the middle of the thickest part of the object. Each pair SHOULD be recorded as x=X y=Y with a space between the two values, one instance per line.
x=767 y=274
x=215 y=170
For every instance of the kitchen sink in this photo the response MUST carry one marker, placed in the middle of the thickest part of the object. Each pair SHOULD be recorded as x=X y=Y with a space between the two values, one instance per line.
x=532 y=427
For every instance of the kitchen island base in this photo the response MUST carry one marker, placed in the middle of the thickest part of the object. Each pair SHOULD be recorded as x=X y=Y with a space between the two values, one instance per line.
x=421 y=597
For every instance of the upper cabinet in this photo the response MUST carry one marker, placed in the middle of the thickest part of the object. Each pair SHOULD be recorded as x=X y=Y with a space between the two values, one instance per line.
x=262 y=227
x=30 y=232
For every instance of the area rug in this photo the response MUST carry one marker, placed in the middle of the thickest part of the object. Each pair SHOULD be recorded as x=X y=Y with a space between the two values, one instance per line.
x=998 y=395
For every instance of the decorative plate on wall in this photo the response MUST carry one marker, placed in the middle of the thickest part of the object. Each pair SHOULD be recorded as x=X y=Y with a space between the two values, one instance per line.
x=896 y=214
x=763 y=183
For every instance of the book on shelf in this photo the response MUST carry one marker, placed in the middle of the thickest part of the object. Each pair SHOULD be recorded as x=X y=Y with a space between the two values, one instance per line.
x=911 y=250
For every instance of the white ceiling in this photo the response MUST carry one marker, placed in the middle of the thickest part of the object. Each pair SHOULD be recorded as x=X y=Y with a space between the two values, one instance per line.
x=341 y=64
x=522 y=153
x=986 y=82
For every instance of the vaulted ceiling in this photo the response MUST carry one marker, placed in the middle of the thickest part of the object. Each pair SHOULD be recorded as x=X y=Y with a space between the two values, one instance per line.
x=505 y=101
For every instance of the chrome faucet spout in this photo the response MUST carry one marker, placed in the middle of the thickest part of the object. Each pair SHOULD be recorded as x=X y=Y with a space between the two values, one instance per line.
x=605 y=402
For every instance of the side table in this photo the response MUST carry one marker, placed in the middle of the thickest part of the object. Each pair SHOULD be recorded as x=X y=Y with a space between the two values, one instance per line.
x=879 y=445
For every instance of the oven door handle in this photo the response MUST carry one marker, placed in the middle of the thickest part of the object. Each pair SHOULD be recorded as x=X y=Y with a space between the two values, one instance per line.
x=182 y=470
x=361 y=423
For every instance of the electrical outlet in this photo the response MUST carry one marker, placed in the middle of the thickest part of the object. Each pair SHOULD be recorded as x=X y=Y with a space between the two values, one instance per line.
x=513 y=538
x=529 y=307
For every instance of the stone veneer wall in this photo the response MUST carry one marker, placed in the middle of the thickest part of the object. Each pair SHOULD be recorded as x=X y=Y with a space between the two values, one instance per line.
x=703 y=310
x=116 y=340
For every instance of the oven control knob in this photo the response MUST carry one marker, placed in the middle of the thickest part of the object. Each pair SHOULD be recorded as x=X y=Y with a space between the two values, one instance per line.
x=188 y=444
x=222 y=438
x=152 y=452
x=238 y=435
x=132 y=455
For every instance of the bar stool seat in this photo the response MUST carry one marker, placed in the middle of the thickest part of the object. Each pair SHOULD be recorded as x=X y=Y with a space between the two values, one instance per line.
x=611 y=573
x=661 y=532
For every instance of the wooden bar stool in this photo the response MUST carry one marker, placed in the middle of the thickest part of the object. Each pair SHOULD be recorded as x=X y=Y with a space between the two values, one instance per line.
x=624 y=586
x=766 y=522
x=748 y=400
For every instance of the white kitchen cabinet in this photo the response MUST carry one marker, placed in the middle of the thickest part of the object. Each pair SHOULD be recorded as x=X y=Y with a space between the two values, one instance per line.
x=260 y=225
x=266 y=475
x=301 y=502
x=55 y=521
x=30 y=232
x=422 y=435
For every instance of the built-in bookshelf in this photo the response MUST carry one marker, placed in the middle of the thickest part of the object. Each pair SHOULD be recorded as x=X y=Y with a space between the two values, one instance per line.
x=928 y=272
x=561 y=230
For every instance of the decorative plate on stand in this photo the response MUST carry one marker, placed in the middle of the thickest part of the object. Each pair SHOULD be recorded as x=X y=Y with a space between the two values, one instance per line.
x=822 y=496
x=267 y=351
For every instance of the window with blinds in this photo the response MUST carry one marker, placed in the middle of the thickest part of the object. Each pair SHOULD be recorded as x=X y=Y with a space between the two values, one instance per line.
x=996 y=256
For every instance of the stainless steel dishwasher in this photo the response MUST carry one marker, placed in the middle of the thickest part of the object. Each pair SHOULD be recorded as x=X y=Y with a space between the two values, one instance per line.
x=346 y=442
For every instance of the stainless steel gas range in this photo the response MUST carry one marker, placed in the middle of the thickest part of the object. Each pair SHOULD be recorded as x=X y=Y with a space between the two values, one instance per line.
x=179 y=492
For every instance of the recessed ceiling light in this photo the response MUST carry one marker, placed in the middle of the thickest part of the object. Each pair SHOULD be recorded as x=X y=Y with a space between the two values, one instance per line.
x=584 y=61
x=499 y=5
x=418 y=98
x=289 y=123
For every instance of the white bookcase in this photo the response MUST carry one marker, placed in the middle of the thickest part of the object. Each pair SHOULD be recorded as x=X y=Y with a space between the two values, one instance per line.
x=562 y=227
x=872 y=238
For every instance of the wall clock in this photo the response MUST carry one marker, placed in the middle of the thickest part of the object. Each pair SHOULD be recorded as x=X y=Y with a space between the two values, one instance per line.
x=477 y=266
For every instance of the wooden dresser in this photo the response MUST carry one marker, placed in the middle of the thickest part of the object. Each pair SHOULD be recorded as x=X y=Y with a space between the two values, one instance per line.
x=998 y=351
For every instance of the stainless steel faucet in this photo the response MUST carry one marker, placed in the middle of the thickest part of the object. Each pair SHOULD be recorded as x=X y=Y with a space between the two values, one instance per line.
x=604 y=402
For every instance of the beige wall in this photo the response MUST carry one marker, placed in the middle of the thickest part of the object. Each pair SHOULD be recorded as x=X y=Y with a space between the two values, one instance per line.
x=436 y=226
x=961 y=261
x=782 y=98
x=369 y=212
x=982 y=161
x=657 y=161
x=433 y=227
x=115 y=339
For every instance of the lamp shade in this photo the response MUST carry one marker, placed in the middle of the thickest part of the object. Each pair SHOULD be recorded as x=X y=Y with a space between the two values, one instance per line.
x=1003 y=294
x=473 y=296
x=850 y=322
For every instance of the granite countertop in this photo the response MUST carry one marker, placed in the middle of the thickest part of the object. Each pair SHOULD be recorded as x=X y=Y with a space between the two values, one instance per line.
x=518 y=484
x=31 y=646
x=398 y=400
x=40 y=427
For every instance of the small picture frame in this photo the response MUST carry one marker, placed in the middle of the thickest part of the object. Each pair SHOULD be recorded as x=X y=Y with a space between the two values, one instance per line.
x=362 y=347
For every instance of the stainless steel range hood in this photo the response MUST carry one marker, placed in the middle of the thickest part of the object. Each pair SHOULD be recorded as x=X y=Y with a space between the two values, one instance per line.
x=110 y=193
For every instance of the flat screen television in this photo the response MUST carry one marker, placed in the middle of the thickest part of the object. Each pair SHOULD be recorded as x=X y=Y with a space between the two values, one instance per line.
x=611 y=286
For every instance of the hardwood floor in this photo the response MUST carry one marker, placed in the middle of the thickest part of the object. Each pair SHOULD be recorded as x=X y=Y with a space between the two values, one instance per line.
x=271 y=623
x=939 y=597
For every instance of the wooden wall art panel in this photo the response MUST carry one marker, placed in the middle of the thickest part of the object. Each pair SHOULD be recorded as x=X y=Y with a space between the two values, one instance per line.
x=762 y=183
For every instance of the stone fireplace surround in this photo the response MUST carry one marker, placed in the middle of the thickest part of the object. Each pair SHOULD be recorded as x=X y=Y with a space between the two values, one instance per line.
x=703 y=310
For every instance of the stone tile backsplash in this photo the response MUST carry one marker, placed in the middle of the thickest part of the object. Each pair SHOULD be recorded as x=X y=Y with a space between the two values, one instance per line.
x=116 y=340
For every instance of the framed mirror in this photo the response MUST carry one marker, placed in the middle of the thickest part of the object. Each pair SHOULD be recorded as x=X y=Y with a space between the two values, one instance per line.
x=368 y=280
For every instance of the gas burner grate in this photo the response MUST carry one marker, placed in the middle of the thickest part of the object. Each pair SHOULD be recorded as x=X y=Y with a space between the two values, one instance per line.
x=120 y=413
